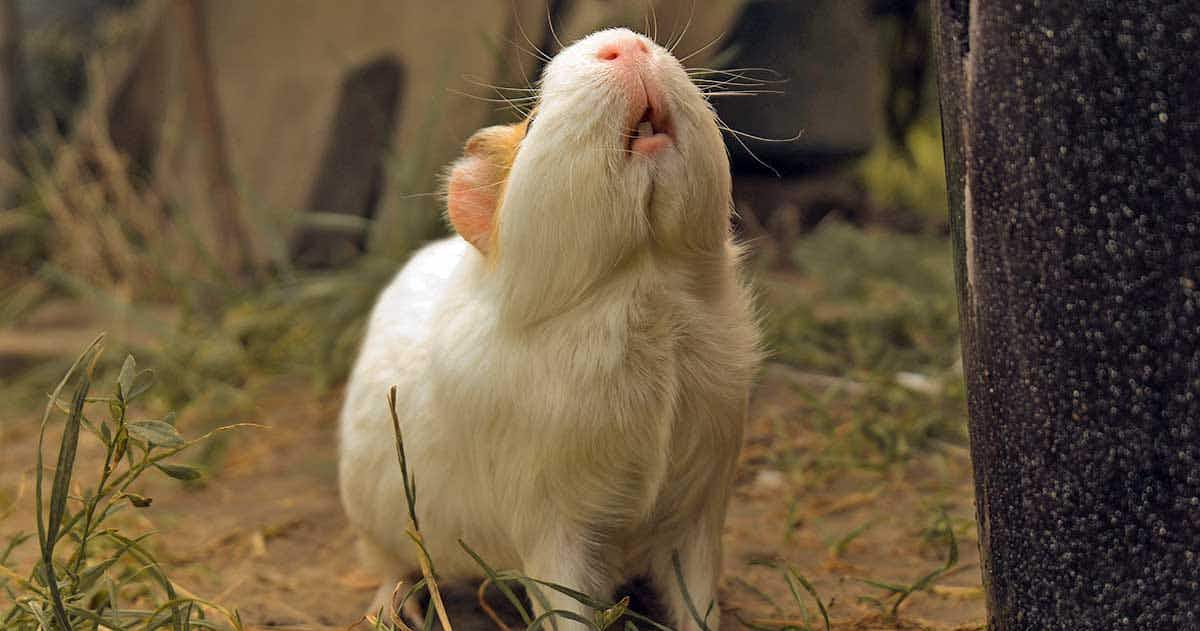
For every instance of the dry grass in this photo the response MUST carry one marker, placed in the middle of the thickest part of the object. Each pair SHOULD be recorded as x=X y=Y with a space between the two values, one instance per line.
x=107 y=230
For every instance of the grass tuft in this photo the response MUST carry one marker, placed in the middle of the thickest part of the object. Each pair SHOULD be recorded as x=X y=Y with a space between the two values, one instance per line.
x=876 y=313
x=899 y=593
x=89 y=574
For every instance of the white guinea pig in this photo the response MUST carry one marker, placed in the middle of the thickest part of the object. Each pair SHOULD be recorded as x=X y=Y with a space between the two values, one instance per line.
x=573 y=372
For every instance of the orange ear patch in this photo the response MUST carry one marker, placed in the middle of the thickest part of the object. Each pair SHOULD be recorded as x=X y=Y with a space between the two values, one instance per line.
x=477 y=182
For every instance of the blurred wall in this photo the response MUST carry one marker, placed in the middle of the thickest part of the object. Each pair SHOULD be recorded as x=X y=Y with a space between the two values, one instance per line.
x=296 y=84
x=8 y=90
x=281 y=126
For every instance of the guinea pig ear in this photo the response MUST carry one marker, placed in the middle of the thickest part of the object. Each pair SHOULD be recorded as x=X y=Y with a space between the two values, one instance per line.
x=477 y=181
x=472 y=197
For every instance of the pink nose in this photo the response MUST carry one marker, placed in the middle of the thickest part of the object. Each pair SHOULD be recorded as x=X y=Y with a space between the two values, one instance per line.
x=629 y=48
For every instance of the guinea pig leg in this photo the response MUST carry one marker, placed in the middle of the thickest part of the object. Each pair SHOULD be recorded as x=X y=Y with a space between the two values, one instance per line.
x=399 y=572
x=700 y=564
x=385 y=601
x=382 y=601
x=415 y=613
x=565 y=562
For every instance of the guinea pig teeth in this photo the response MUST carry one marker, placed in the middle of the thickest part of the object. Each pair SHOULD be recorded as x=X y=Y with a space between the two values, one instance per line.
x=645 y=129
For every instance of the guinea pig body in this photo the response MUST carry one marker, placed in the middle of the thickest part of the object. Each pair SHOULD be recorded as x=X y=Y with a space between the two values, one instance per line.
x=573 y=372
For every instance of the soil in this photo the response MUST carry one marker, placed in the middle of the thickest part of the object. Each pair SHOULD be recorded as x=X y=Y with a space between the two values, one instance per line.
x=264 y=533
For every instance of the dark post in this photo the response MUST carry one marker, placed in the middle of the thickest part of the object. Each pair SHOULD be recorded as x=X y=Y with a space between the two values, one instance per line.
x=1072 y=132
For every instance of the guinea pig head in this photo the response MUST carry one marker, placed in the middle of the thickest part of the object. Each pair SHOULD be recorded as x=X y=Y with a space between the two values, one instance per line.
x=625 y=140
x=623 y=157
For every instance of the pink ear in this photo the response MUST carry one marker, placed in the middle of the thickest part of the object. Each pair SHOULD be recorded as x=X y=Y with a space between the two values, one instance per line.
x=473 y=194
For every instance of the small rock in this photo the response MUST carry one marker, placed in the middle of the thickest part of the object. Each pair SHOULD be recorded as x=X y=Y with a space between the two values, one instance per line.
x=918 y=383
x=769 y=479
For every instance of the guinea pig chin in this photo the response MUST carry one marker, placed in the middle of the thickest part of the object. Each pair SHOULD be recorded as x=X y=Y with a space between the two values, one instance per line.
x=646 y=128
x=650 y=131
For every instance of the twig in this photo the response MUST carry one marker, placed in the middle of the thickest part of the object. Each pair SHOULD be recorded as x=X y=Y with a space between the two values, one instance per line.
x=487 y=609
x=414 y=532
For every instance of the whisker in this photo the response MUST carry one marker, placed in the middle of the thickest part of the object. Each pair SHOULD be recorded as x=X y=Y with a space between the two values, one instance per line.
x=654 y=18
x=737 y=136
x=691 y=14
x=502 y=99
x=750 y=87
x=541 y=54
x=743 y=93
x=550 y=21
x=416 y=195
x=702 y=48
x=533 y=94
x=735 y=132
x=749 y=83
x=756 y=158
x=442 y=193
x=511 y=100
x=480 y=82
x=525 y=75
x=516 y=105
x=738 y=73
x=674 y=31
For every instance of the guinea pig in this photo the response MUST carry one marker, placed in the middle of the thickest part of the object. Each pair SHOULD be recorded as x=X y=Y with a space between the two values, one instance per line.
x=573 y=368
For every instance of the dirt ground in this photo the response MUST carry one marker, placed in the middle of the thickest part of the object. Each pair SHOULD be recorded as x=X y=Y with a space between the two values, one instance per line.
x=265 y=533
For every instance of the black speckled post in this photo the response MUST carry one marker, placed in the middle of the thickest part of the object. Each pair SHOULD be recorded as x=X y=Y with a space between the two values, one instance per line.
x=1072 y=132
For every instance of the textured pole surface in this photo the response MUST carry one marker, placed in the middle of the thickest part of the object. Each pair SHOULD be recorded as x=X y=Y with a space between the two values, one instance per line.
x=1072 y=132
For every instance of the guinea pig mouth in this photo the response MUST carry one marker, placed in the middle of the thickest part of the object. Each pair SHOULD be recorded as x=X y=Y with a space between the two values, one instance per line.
x=650 y=134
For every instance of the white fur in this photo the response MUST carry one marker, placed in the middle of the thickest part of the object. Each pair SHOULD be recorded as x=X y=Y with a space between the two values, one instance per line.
x=573 y=408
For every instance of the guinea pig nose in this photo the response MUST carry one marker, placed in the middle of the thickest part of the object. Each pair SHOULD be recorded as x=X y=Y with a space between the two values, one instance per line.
x=629 y=47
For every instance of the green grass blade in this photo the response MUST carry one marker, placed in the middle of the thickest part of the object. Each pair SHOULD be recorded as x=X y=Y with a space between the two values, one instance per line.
x=43 y=540
x=584 y=599
x=890 y=587
x=410 y=482
x=811 y=592
x=59 y=490
x=63 y=470
x=13 y=542
x=758 y=592
x=138 y=552
x=753 y=626
x=499 y=583
x=805 y=615
x=417 y=586
x=687 y=597
x=536 y=625
x=838 y=549
x=925 y=581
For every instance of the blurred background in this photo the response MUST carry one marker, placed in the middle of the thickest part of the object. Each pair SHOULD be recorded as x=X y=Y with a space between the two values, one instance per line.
x=193 y=154
x=224 y=186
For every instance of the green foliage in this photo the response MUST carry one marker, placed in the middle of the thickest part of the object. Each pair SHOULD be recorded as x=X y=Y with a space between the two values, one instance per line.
x=897 y=593
x=215 y=351
x=871 y=303
x=879 y=311
x=918 y=185
x=800 y=589
x=89 y=574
